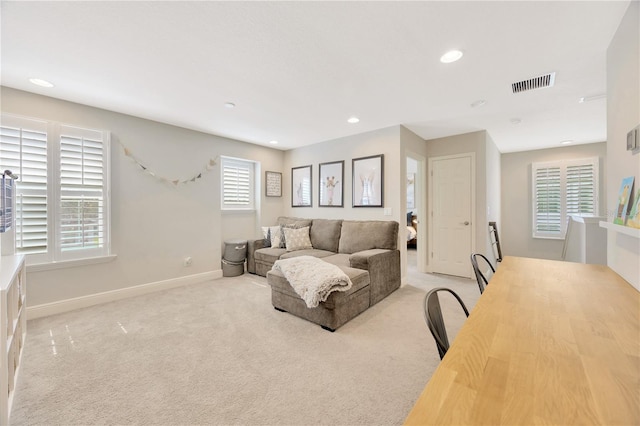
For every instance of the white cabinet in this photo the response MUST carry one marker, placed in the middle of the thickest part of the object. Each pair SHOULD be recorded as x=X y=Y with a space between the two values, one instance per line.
x=13 y=327
x=586 y=241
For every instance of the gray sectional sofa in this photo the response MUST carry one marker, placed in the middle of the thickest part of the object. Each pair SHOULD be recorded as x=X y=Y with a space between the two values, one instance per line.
x=365 y=250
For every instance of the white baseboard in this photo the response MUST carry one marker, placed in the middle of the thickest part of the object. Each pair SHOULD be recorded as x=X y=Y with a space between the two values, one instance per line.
x=61 y=306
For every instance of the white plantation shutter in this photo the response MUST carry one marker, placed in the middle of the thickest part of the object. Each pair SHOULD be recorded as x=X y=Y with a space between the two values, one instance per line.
x=560 y=189
x=23 y=150
x=62 y=197
x=81 y=214
x=548 y=202
x=581 y=189
x=237 y=183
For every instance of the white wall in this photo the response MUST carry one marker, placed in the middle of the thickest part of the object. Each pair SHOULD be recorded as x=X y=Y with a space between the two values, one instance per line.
x=475 y=142
x=494 y=193
x=412 y=165
x=154 y=224
x=516 y=230
x=383 y=141
x=623 y=114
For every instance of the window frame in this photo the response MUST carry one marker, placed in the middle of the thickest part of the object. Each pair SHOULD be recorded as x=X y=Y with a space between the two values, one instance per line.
x=82 y=253
x=563 y=166
x=251 y=166
x=54 y=253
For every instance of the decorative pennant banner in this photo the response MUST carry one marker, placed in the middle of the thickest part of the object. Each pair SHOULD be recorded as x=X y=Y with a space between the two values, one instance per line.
x=207 y=168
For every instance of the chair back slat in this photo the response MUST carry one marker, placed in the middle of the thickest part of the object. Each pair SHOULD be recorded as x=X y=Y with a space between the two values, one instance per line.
x=480 y=278
x=434 y=319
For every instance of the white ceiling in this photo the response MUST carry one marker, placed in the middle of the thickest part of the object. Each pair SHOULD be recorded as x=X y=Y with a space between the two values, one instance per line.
x=297 y=70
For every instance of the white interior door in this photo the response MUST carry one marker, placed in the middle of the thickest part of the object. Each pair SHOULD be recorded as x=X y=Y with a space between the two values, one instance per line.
x=451 y=201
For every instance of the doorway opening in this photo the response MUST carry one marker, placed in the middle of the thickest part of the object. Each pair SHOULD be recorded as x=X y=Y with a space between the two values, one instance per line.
x=416 y=212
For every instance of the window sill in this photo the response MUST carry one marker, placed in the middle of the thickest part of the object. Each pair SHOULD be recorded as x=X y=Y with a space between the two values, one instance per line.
x=548 y=237
x=238 y=211
x=38 y=267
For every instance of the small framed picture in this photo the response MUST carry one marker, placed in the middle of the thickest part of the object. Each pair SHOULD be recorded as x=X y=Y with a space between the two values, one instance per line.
x=301 y=186
x=330 y=184
x=632 y=139
x=368 y=178
x=273 y=184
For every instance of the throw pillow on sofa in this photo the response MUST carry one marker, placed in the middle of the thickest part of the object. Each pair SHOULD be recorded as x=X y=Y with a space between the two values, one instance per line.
x=275 y=235
x=297 y=238
x=266 y=234
x=283 y=240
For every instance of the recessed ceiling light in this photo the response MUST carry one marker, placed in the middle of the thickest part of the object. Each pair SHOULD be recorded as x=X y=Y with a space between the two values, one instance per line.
x=273 y=142
x=515 y=121
x=567 y=142
x=478 y=103
x=451 y=56
x=353 y=120
x=40 y=82
x=229 y=105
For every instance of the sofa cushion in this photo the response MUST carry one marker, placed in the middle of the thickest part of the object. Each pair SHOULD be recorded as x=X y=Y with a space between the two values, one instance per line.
x=297 y=221
x=325 y=234
x=359 y=280
x=365 y=235
x=360 y=259
x=297 y=238
x=310 y=252
x=269 y=255
x=339 y=260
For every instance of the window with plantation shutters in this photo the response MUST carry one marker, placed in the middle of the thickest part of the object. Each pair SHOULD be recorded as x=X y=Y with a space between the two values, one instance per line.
x=62 y=202
x=82 y=189
x=237 y=184
x=23 y=150
x=581 y=189
x=560 y=189
x=548 y=201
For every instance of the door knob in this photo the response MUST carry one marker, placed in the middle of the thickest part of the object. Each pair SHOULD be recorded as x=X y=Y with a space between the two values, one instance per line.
x=466 y=222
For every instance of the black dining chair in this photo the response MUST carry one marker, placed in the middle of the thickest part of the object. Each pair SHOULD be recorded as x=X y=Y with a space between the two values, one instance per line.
x=482 y=280
x=434 y=319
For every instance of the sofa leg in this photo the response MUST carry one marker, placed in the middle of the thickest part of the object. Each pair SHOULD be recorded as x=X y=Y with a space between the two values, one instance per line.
x=324 y=327
x=278 y=309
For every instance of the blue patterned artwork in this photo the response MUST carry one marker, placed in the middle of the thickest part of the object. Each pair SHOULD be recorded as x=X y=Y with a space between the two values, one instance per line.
x=626 y=190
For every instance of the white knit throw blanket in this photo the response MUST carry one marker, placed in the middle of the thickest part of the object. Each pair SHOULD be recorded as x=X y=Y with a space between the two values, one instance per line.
x=313 y=279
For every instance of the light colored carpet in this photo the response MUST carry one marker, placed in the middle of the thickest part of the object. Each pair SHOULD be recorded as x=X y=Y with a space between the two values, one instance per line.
x=218 y=353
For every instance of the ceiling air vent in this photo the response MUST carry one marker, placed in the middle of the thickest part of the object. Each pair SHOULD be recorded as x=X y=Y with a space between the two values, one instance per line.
x=540 y=82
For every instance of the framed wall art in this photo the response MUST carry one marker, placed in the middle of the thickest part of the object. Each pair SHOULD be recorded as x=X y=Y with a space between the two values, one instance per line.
x=331 y=180
x=626 y=192
x=273 y=184
x=301 y=186
x=368 y=178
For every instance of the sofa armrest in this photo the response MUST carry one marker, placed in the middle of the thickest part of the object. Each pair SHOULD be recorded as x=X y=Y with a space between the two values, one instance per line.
x=384 y=270
x=252 y=246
